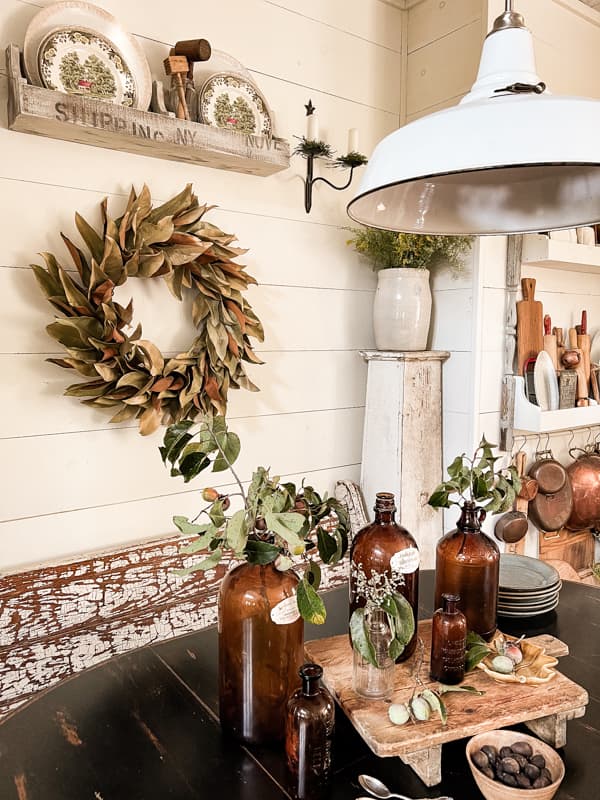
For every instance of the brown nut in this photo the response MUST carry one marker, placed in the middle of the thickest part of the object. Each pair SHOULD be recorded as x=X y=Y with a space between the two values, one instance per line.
x=523 y=781
x=541 y=783
x=509 y=780
x=510 y=765
x=532 y=772
x=480 y=759
x=538 y=760
x=505 y=752
x=523 y=748
x=490 y=752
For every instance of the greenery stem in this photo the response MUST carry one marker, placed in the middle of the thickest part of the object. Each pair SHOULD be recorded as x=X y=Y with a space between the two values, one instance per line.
x=231 y=469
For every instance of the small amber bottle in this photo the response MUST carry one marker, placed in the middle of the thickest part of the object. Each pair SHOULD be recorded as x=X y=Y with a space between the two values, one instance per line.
x=448 y=642
x=309 y=727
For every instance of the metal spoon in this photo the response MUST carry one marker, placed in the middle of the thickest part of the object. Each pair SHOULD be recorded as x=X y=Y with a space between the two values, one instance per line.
x=380 y=790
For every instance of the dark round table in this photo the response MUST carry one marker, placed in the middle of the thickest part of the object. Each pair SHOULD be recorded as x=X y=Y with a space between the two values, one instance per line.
x=144 y=726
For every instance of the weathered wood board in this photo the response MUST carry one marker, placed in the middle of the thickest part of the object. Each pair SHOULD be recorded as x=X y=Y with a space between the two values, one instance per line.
x=419 y=745
x=57 y=620
x=73 y=118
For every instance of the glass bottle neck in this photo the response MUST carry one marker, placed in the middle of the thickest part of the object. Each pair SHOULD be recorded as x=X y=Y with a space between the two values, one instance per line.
x=385 y=516
x=470 y=517
x=311 y=679
x=449 y=604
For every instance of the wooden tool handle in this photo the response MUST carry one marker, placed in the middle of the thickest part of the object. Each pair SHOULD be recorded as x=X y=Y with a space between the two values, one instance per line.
x=584 y=344
x=528 y=288
x=193 y=49
x=573 y=338
x=552 y=350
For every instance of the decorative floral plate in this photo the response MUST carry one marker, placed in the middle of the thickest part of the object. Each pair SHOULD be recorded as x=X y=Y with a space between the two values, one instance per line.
x=81 y=63
x=230 y=101
x=78 y=48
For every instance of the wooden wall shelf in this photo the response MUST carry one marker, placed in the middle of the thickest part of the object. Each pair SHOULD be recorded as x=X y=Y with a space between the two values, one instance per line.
x=74 y=118
x=541 y=251
x=530 y=418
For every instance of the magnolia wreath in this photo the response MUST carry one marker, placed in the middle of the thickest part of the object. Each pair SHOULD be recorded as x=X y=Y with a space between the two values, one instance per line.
x=104 y=345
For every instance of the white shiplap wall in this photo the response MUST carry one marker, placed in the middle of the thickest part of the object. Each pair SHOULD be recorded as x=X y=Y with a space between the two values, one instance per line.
x=70 y=482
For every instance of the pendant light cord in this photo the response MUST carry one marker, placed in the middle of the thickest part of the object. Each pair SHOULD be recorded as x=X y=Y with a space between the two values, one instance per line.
x=523 y=88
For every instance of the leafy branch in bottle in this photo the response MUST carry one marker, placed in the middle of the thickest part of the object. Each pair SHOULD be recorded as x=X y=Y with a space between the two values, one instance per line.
x=277 y=520
x=478 y=480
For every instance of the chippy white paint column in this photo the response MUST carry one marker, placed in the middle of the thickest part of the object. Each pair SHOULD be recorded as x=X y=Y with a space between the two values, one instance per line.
x=402 y=439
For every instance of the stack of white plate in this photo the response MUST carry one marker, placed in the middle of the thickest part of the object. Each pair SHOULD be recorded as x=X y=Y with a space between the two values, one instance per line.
x=528 y=587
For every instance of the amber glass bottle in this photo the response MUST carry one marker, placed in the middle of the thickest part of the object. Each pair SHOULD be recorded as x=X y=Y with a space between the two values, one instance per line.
x=468 y=564
x=260 y=650
x=448 y=642
x=309 y=723
x=385 y=554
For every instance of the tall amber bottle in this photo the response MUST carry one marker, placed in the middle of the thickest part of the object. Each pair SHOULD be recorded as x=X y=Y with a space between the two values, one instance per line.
x=260 y=651
x=385 y=554
x=448 y=642
x=309 y=727
x=468 y=564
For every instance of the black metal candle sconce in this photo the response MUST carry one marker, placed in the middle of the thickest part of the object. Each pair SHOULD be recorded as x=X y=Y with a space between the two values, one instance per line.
x=313 y=148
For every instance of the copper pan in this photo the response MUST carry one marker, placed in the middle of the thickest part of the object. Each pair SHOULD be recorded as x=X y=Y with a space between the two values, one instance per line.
x=550 y=509
x=584 y=476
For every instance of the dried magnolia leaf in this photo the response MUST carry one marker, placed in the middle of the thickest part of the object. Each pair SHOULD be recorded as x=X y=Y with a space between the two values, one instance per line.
x=172 y=242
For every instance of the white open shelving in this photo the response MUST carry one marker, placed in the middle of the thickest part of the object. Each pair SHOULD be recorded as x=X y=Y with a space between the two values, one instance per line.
x=541 y=251
x=529 y=418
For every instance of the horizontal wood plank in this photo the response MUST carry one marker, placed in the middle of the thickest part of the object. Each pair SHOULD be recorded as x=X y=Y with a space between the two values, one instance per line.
x=35 y=405
x=62 y=535
x=68 y=470
x=430 y=20
x=445 y=68
x=338 y=319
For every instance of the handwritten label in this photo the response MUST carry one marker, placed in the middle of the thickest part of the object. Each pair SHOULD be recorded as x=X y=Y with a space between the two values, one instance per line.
x=286 y=611
x=405 y=561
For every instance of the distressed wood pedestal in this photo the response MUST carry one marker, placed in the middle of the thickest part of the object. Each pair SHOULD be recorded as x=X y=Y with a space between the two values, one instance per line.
x=544 y=708
x=402 y=440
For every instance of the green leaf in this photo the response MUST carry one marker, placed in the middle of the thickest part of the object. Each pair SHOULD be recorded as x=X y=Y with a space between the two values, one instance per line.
x=313 y=575
x=360 y=637
x=287 y=526
x=217 y=514
x=434 y=702
x=456 y=467
x=192 y=465
x=189 y=528
x=327 y=546
x=93 y=241
x=475 y=654
x=395 y=649
x=230 y=447
x=439 y=499
x=208 y=563
x=443 y=689
x=201 y=543
x=475 y=638
x=404 y=622
x=237 y=531
x=262 y=553
x=310 y=605
x=172 y=441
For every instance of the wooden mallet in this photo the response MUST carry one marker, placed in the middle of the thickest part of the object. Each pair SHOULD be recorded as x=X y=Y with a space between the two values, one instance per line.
x=176 y=67
x=194 y=50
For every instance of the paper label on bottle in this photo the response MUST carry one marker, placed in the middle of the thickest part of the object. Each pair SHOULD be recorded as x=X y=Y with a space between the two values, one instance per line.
x=286 y=611
x=405 y=561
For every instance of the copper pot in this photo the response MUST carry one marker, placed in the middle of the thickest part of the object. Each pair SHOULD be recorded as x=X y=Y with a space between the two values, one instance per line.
x=584 y=475
x=553 y=505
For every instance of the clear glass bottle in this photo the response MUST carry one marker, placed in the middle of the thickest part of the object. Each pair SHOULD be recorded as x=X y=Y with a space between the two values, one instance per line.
x=261 y=635
x=384 y=554
x=309 y=723
x=368 y=680
x=448 y=642
x=468 y=564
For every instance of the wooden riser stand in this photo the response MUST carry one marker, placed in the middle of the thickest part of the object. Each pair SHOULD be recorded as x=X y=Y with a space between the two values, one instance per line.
x=544 y=708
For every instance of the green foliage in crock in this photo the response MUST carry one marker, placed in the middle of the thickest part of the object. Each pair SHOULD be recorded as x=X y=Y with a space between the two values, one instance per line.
x=477 y=480
x=387 y=249
x=275 y=521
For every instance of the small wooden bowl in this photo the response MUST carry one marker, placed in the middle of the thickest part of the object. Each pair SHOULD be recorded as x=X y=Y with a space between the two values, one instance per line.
x=494 y=790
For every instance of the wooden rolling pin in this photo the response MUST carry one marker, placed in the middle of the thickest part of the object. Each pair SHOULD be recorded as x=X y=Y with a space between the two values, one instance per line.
x=560 y=345
x=584 y=344
x=530 y=333
x=550 y=345
x=582 y=387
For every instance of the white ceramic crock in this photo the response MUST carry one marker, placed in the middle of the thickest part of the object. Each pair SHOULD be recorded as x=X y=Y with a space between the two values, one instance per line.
x=402 y=309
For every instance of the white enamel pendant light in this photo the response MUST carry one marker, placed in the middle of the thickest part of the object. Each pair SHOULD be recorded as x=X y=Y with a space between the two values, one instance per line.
x=509 y=158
